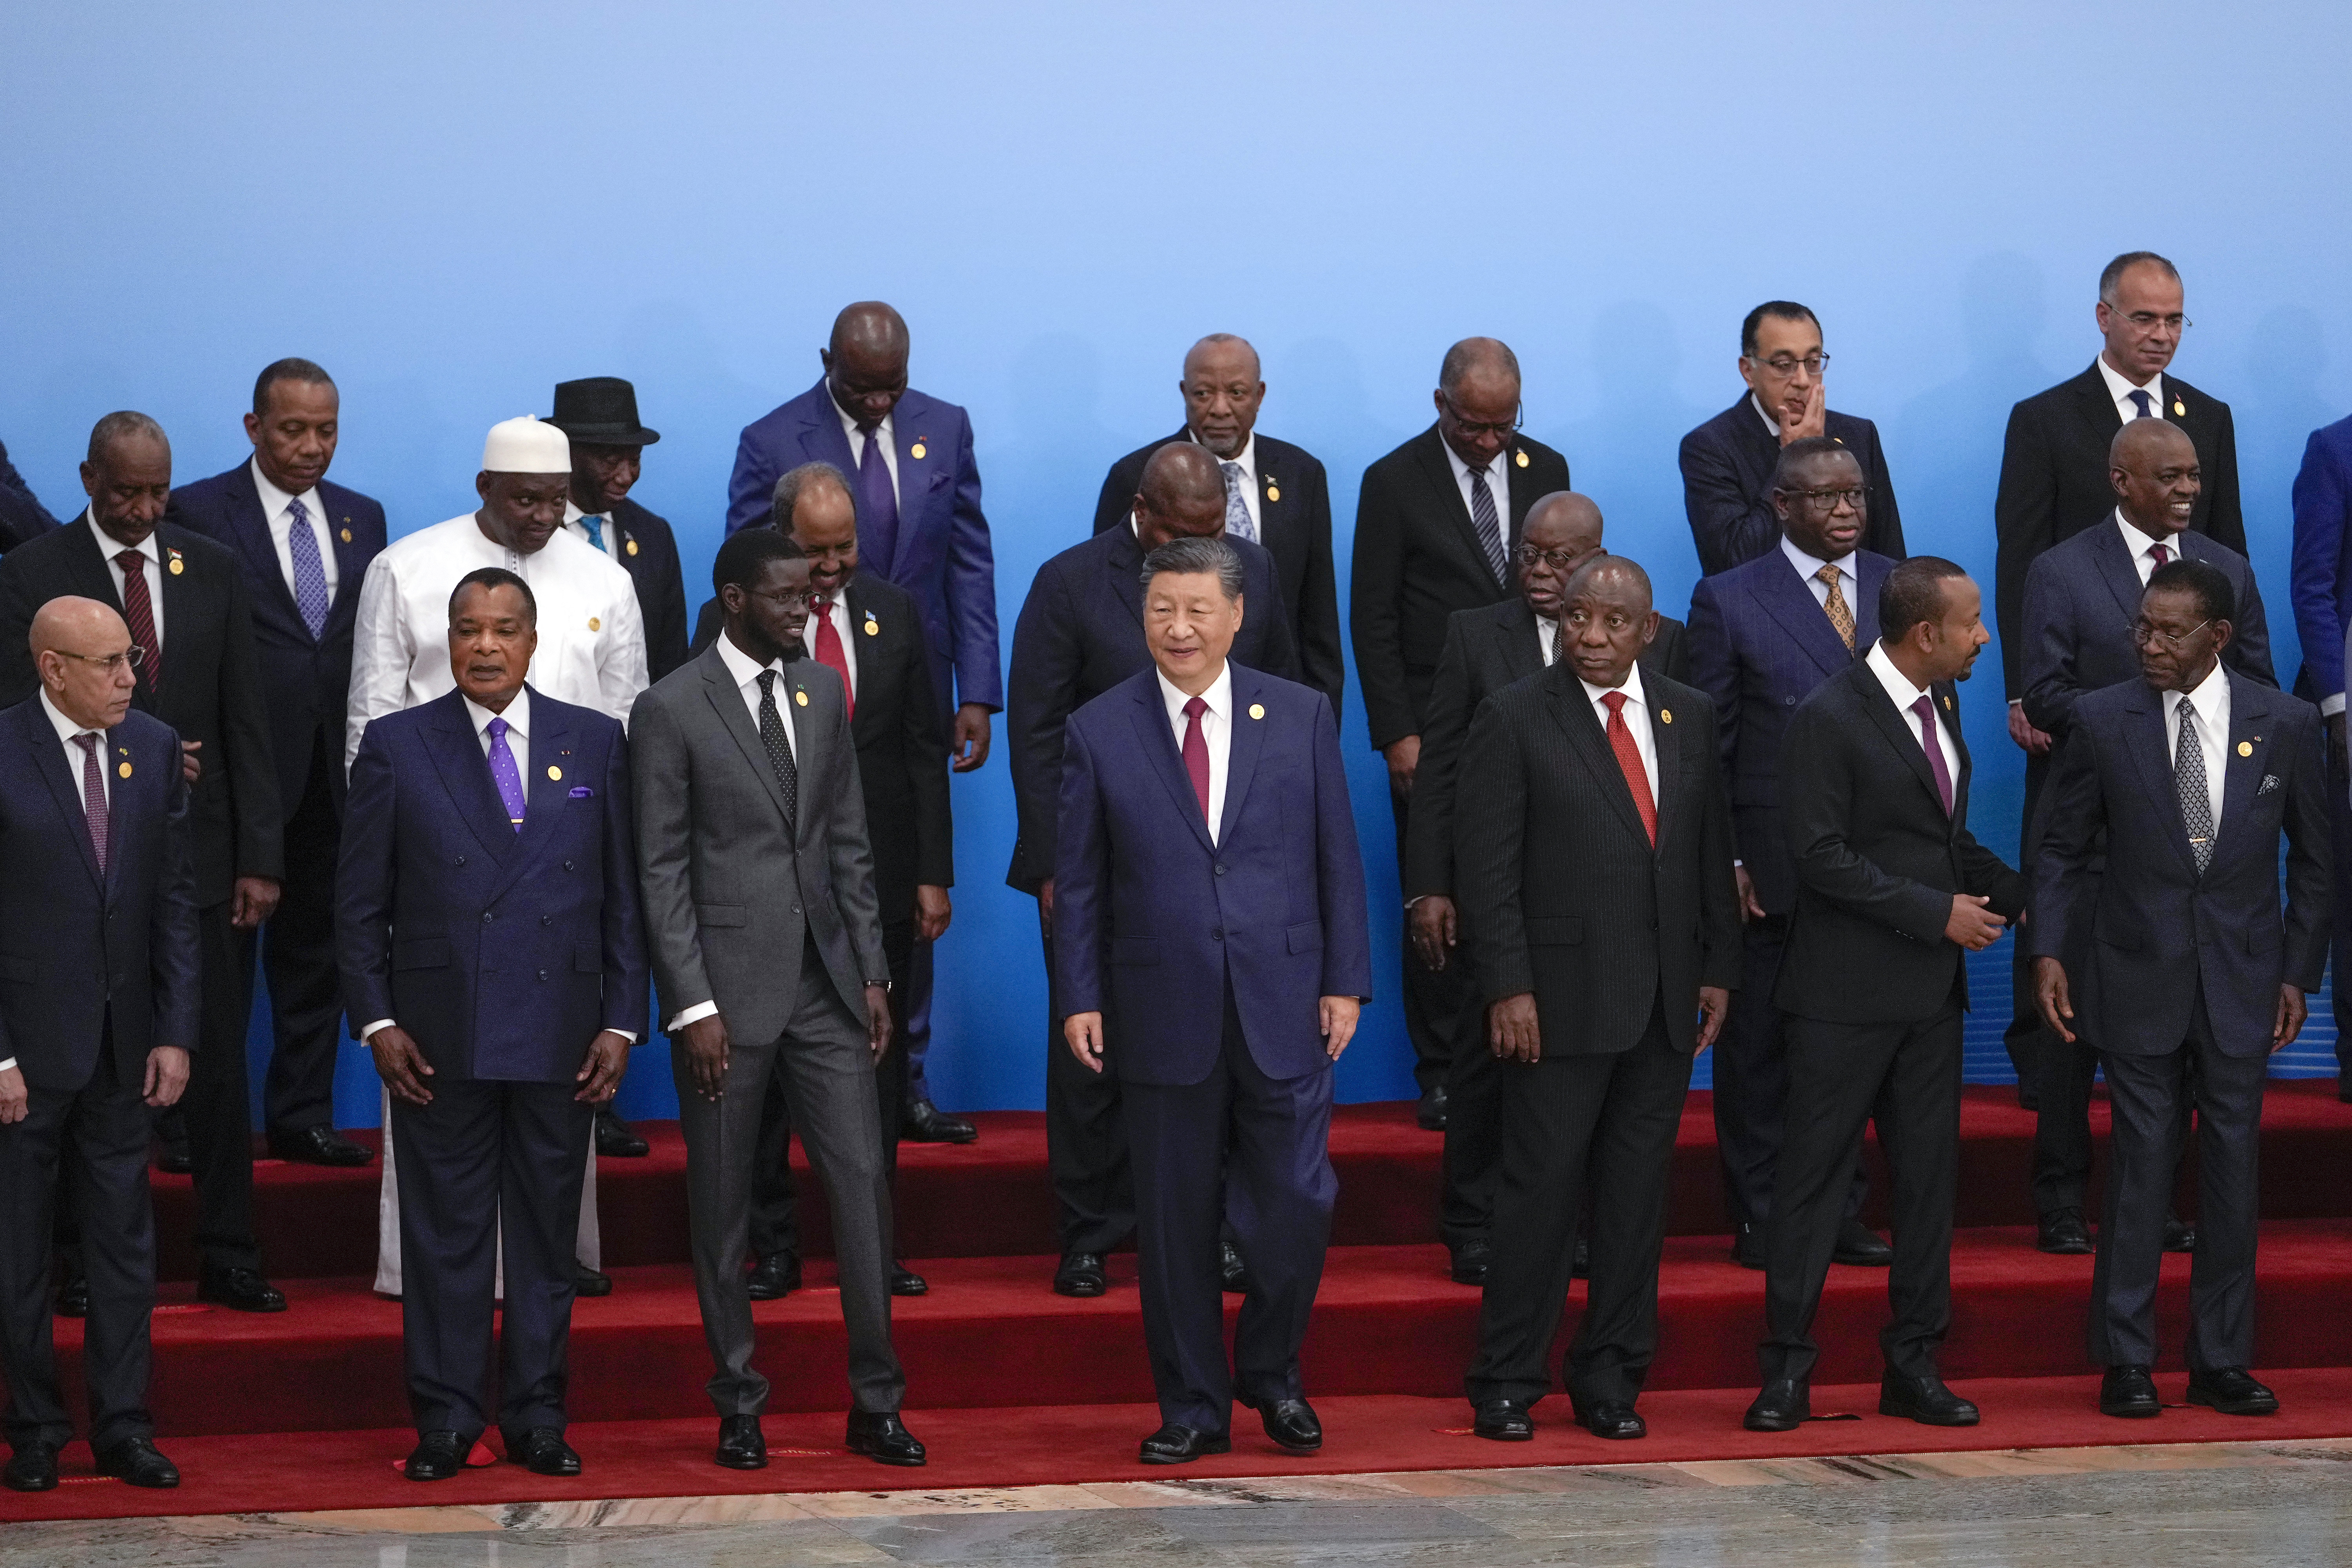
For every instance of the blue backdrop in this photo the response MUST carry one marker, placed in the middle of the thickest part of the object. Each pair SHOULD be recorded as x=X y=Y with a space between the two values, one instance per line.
x=454 y=207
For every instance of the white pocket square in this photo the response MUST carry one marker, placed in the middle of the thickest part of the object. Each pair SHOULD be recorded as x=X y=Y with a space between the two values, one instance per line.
x=2270 y=782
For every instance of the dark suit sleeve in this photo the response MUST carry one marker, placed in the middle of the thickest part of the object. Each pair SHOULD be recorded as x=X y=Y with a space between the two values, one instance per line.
x=2322 y=521
x=1817 y=794
x=22 y=515
x=1429 y=830
x=1727 y=530
x=850 y=855
x=18 y=601
x=925 y=747
x=1722 y=948
x=1338 y=869
x=661 y=782
x=2025 y=523
x=175 y=947
x=1673 y=650
x=2074 y=818
x=665 y=615
x=625 y=973
x=2250 y=650
x=2226 y=521
x=252 y=759
x=363 y=878
x=1715 y=669
x=1281 y=648
x=1081 y=874
x=2052 y=634
x=1490 y=855
x=1116 y=502
x=1375 y=579
x=1320 y=659
x=708 y=621
x=1989 y=878
x=972 y=589
x=2308 y=813
x=1046 y=662
x=752 y=487
x=1885 y=514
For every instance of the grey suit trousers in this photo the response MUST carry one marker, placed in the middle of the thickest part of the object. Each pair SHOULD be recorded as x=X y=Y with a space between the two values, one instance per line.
x=829 y=1070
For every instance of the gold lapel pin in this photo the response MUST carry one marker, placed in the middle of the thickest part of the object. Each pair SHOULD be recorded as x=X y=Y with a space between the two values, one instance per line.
x=178 y=565
x=594 y=625
x=1272 y=488
x=631 y=547
x=800 y=698
x=873 y=627
x=2245 y=748
x=916 y=450
x=553 y=771
x=347 y=536
x=1257 y=710
x=2179 y=409
x=1665 y=715
x=124 y=770
x=1948 y=705
x=1523 y=460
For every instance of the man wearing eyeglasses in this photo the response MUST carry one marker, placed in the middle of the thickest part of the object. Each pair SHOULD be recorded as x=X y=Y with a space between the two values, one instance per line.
x=2080 y=601
x=1728 y=462
x=1435 y=522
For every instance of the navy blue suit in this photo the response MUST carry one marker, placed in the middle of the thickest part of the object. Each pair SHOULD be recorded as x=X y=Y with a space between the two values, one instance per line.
x=95 y=971
x=1208 y=962
x=2319 y=586
x=502 y=953
x=1758 y=646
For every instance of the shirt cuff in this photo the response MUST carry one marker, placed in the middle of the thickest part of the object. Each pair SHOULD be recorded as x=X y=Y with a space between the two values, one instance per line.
x=2331 y=706
x=694 y=1014
x=372 y=1028
x=628 y=1035
x=7 y=1065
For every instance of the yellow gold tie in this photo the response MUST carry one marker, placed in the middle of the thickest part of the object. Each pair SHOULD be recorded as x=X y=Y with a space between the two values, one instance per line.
x=1840 y=617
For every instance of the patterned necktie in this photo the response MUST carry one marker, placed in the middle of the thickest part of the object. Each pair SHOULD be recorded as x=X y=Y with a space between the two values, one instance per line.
x=2161 y=553
x=829 y=654
x=1489 y=525
x=2188 y=779
x=878 y=503
x=1926 y=709
x=1840 y=614
x=93 y=795
x=140 y=611
x=506 y=774
x=779 y=750
x=1196 y=752
x=309 y=570
x=596 y=526
x=2141 y=401
x=1237 y=517
x=1552 y=643
x=1629 y=759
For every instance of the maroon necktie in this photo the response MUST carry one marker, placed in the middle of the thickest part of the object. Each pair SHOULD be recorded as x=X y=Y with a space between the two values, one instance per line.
x=2160 y=552
x=1629 y=758
x=1926 y=709
x=94 y=797
x=1196 y=753
x=140 y=611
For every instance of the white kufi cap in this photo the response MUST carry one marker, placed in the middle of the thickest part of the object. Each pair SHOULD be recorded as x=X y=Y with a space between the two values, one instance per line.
x=526 y=446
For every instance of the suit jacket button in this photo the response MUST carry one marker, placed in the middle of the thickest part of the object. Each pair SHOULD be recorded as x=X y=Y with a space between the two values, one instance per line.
x=567 y=865
x=797 y=909
x=543 y=974
x=1216 y=933
x=547 y=920
x=461 y=859
x=1220 y=868
x=488 y=917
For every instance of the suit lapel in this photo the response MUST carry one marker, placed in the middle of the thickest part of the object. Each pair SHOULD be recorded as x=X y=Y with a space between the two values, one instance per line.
x=1276 y=506
x=1124 y=562
x=175 y=590
x=1792 y=603
x=2146 y=740
x=822 y=437
x=920 y=461
x=2097 y=409
x=726 y=701
x=1159 y=743
x=1248 y=740
x=1522 y=638
x=260 y=552
x=456 y=753
x=870 y=653
x=554 y=773
x=2244 y=758
x=1895 y=725
x=1666 y=736
x=1948 y=698
x=1870 y=575
x=49 y=757
x=1577 y=722
x=1438 y=471
x=350 y=558
x=2115 y=568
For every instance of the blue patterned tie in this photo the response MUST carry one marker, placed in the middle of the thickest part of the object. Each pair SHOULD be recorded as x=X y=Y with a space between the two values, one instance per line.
x=504 y=774
x=877 y=520
x=1489 y=524
x=1237 y=517
x=596 y=526
x=2140 y=401
x=310 y=572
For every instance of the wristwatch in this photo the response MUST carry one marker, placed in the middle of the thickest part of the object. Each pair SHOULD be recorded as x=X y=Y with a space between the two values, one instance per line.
x=884 y=983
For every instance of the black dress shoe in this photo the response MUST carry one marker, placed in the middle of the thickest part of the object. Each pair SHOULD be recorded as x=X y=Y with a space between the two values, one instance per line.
x=1081 y=1273
x=2063 y=1231
x=587 y=1281
x=882 y=1438
x=1747 y=1246
x=33 y=1469
x=2231 y=1390
x=177 y=1159
x=1177 y=1444
x=1470 y=1260
x=777 y=1277
x=905 y=1281
x=73 y=1296
x=927 y=1123
x=2179 y=1236
x=1613 y=1418
x=1924 y=1399
x=437 y=1456
x=1502 y=1421
x=136 y=1460
x=2129 y=1392
x=242 y=1289
x=1431 y=1111
x=615 y=1139
x=543 y=1452
x=1859 y=1246
x=319 y=1146
x=1234 y=1271
x=741 y=1447
x=1580 y=1265
x=1783 y=1406
x=1291 y=1423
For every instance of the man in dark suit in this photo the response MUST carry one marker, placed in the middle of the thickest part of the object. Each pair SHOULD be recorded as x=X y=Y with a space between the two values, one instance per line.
x=185 y=601
x=767 y=943
x=1211 y=946
x=22 y=515
x=919 y=526
x=303 y=545
x=2320 y=586
x=98 y=1015
x=493 y=952
x=2193 y=975
x=1276 y=496
x=1891 y=888
x=1487 y=650
x=1763 y=637
x=1594 y=840
x=866 y=631
x=2081 y=599
x=1081 y=632
x=1436 y=524
x=1728 y=462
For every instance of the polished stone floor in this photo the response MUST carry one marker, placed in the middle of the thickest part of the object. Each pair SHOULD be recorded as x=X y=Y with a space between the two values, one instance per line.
x=2178 y=1506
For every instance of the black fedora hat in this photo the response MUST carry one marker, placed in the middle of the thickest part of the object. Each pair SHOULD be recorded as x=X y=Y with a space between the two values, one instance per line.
x=602 y=411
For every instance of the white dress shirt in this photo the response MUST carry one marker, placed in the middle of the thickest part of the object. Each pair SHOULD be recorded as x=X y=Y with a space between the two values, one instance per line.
x=592 y=638
x=1547 y=638
x=2211 y=701
x=888 y=433
x=1770 y=423
x=1637 y=720
x=1216 y=733
x=1247 y=460
x=275 y=505
x=2138 y=543
x=66 y=730
x=2121 y=390
x=1499 y=482
x=111 y=547
x=1808 y=566
x=838 y=613
x=1902 y=694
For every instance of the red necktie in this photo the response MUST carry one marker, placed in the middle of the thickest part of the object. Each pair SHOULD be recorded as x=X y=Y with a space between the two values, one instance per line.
x=829 y=654
x=2160 y=552
x=1629 y=759
x=140 y=611
x=1196 y=753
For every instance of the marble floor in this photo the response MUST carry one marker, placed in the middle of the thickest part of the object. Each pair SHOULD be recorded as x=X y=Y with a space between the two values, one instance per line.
x=2179 y=1505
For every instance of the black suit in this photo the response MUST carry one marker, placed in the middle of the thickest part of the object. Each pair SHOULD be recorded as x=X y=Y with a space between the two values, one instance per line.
x=1485 y=651
x=1727 y=466
x=642 y=543
x=1294 y=502
x=212 y=693
x=1080 y=634
x=95 y=971
x=22 y=515
x=1418 y=560
x=309 y=682
x=1564 y=895
x=1874 y=993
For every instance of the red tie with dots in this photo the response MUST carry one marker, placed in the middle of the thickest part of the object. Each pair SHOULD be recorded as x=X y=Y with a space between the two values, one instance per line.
x=1629 y=759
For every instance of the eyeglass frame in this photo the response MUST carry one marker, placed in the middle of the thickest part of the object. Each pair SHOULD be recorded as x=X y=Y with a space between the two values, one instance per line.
x=1473 y=428
x=1525 y=555
x=1814 y=363
x=1857 y=497
x=809 y=597
x=2141 y=631
x=129 y=658
x=2148 y=320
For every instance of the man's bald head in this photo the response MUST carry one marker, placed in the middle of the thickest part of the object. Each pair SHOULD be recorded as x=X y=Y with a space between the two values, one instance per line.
x=1477 y=399
x=1608 y=620
x=1183 y=495
x=128 y=477
x=1563 y=512
x=1485 y=360
x=1216 y=349
x=1613 y=576
x=870 y=325
x=2152 y=464
x=866 y=361
x=1562 y=531
x=81 y=648
x=2150 y=440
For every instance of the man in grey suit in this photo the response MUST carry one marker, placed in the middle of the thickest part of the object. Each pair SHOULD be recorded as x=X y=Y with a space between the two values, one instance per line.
x=767 y=946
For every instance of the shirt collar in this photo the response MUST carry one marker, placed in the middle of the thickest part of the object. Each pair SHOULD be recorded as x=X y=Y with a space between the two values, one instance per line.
x=274 y=500
x=66 y=727
x=1219 y=696
x=2209 y=698
x=887 y=429
x=572 y=513
x=109 y=547
x=1899 y=689
x=1494 y=470
x=1246 y=457
x=2118 y=388
x=1810 y=566
x=1632 y=688
x=518 y=714
x=739 y=663
x=1770 y=423
x=2138 y=541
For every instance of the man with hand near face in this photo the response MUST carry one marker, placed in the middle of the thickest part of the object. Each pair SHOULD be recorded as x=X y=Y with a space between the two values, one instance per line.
x=488 y=857
x=2185 y=781
x=1727 y=463
x=1212 y=953
x=1593 y=850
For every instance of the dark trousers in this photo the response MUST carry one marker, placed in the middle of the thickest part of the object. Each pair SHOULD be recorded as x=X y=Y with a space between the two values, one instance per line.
x=93 y=1142
x=1751 y=1084
x=775 y=1201
x=298 y=957
x=1241 y=1148
x=2151 y=1096
x=2028 y=1043
x=1906 y=1077
x=2339 y=795
x=1576 y=1126
x=488 y=1171
x=915 y=1008
x=1435 y=999
x=1476 y=1088
x=1085 y=1143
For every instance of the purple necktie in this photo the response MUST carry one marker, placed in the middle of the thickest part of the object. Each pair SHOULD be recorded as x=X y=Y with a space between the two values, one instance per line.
x=309 y=567
x=94 y=797
x=879 y=503
x=504 y=774
x=1926 y=709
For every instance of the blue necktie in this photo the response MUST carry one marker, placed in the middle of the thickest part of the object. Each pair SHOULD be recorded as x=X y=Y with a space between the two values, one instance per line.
x=504 y=774
x=310 y=572
x=596 y=526
x=1237 y=517
x=2141 y=402
x=879 y=503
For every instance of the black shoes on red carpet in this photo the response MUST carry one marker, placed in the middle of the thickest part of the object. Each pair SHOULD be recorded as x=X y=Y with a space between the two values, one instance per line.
x=319 y=1146
x=1924 y=1399
x=1292 y=1424
x=543 y=1452
x=1503 y=1421
x=881 y=1437
x=2129 y=1392
x=1430 y=1113
x=741 y=1445
x=2064 y=1232
x=777 y=1276
x=1177 y=1444
x=33 y=1468
x=437 y=1457
x=1783 y=1406
x=1615 y=1419
x=927 y=1123
x=2231 y=1390
x=1081 y=1275
x=242 y=1289
x=137 y=1461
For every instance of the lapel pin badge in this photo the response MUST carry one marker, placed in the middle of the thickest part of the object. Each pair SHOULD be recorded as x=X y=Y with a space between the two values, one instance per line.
x=553 y=771
x=631 y=547
x=1272 y=488
x=800 y=698
x=1665 y=715
x=2245 y=748
x=178 y=565
x=596 y=624
x=916 y=451
x=1523 y=459
x=873 y=627
x=1257 y=710
x=124 y=770
x=2179 y=409
x=1948 y=705
x=347 y=530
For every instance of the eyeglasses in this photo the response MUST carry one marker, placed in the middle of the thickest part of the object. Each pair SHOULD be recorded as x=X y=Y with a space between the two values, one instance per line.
x=1471 y=427
x=1829 y=500
x=1560 y=561
x=108 y=662
x=2146 y=321
x=2141 y=633
x=806 y=598
x=1785 y=365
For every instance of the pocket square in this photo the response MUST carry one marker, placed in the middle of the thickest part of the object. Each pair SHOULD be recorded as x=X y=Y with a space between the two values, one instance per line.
x=582 y=791
x=2270 y=782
